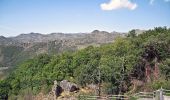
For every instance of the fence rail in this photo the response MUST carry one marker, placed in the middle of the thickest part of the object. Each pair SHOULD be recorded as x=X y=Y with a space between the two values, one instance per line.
x=160 y=94
x=110 y=97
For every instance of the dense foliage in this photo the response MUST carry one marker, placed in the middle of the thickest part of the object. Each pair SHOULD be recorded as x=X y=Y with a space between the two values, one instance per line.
x=116 y=63
x=8 y=54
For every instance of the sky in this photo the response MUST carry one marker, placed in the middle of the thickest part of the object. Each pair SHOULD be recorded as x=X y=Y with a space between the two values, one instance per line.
x=74 y=16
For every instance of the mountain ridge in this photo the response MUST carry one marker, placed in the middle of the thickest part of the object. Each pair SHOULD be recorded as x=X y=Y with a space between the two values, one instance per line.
x=14 y=50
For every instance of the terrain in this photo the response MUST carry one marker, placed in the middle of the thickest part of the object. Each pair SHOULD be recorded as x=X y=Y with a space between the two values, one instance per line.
x=129 y=64
x=14 y=50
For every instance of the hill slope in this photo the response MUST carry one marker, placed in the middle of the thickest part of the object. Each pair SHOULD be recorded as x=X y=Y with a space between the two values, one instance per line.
x=14 y=50
x=144 y=58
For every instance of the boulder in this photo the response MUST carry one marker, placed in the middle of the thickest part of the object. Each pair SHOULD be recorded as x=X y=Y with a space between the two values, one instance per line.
x=68 y=86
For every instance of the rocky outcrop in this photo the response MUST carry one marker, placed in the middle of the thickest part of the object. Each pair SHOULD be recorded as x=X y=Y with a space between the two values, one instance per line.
x=59 y=88
x=68 y=86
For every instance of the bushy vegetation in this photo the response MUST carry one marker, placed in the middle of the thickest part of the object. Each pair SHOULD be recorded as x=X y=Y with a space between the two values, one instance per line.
x=117 y=63
x=8 y=54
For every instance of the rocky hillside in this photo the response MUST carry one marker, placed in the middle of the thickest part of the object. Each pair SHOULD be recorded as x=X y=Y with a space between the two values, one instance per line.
x=14 y=50
x=96 y=37
x=135 y=63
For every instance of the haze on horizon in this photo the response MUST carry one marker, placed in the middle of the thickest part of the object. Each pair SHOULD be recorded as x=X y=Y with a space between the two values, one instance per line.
x=73 y=16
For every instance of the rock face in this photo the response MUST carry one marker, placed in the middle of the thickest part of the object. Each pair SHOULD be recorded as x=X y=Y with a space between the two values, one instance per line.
x=68 y=86
x=64 y=86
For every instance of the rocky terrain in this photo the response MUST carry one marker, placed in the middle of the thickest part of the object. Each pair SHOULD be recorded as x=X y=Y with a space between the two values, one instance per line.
x=14 y=50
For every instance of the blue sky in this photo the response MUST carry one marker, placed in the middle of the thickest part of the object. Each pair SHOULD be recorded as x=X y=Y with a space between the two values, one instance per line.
x=47 y=16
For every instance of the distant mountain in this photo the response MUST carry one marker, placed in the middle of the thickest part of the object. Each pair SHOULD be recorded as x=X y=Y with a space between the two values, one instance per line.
x=6 y=41
x=100 y=36
x=14 y=50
